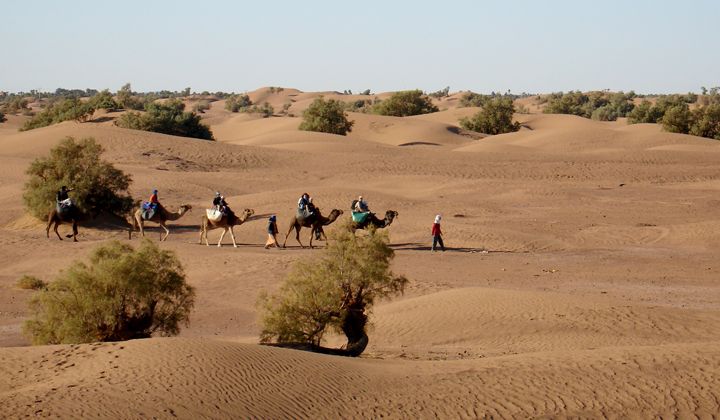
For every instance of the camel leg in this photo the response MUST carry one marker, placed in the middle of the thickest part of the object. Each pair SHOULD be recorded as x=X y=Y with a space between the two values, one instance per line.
x=288 y=234
x=205 y=232
x=202 y=229
x=167 y=232
x=56 y=230
x=312 y=234
x=75 y=231
x=141 y=226
x=232 y=235
x=47 y=229
x=222 y=235
x=297 y=235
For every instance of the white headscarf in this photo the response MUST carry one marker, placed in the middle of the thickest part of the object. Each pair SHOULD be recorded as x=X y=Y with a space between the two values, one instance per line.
x=437 y=218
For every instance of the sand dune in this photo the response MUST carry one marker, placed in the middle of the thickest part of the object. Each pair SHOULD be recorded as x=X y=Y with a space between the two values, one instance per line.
x=580 y=279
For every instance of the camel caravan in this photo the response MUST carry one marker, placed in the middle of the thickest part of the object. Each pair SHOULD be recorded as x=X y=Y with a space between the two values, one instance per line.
x=221 y=216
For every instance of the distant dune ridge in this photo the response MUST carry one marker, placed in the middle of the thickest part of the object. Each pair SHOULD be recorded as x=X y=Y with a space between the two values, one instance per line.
x=580 y=280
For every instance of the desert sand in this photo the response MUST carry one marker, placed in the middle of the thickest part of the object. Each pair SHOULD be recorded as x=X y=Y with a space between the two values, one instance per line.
x=580 y=280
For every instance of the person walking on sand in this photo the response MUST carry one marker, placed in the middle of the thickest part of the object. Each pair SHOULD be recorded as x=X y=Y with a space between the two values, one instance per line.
x=272 y=231
x=437 y=234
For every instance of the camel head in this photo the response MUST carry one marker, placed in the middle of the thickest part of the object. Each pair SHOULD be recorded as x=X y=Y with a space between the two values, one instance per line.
x=334 y=214
x=247 y=213
x=390 y=215
x=184 y=208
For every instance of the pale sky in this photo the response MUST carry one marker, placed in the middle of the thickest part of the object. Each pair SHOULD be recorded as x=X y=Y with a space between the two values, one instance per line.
x=523 y=45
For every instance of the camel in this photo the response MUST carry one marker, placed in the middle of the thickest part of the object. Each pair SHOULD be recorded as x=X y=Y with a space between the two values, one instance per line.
x=314 y=223
x=160 y=217
x=70 y=217
x=226 y=223
x=372 y=220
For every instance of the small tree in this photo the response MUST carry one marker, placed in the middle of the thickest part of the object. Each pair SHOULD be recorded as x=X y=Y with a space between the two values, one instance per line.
x=406 y=103
x=677 y=119
x=98 y=185
x=706 y=122
x=334 y=291
x=326 y=117
x=494 y=118
x=123 y=294
x=103 y=100
x=644 y=113
x=604 y=113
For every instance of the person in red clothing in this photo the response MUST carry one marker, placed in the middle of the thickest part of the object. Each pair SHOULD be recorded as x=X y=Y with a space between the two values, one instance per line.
x=437 y=234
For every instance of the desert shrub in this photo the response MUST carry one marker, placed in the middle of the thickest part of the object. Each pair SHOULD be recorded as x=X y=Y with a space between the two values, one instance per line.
x=63 y=110
x=122 y=294
x=266 y=110
x=442 y=93
x=406 y=103
x=644 y=113
x=366 y=92
x=677 y=119
x=274 y=89
x=237 y=102
x=286 y=108
x=494 y=118
x=522 y=109
x=127 y=100
x=98 y=185
x=2 y=117
x=201 y=106
x=706 y=122
x=615 y=105
x=472 y=99
x=15 y=105
x=168 y=118
x=332 y=291
x=604 y=113
x=103 y=100
x=326 y=117
x=30 y=283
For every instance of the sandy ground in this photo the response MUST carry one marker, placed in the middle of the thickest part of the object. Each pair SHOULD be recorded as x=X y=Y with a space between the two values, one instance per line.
x=581 y=277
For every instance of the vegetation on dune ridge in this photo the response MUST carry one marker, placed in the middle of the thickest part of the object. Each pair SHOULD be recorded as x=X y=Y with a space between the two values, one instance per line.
x=167 y=118
x=495 y=117
x=405 y=104
x=98 y=185
x=122 y=294
x=602 y=106
x=326 y=117
x=332 y=291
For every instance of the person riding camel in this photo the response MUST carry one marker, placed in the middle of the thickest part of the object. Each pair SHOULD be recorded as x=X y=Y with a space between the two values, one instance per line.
x=62 y=199
x=304 y=206
x=361 y=206
x=219 y=203
x=153 y=200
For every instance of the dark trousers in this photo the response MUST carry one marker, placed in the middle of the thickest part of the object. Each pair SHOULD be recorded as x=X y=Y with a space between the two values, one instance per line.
x=437 y=239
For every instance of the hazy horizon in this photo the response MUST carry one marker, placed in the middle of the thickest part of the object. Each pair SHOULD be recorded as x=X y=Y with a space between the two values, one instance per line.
x=646 y=46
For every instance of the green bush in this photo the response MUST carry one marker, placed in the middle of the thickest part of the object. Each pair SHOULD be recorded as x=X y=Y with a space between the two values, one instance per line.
x=604 y=113
x=31 y=283
x=332 y=291
x=168 y=118
x=98 y=185
x=615 y=105
x=237 y=102
x=406 y=103
x=326 y=117
x=266 y=110
x=15 y=105
x=677 y=119
x=472 y=99
x=63 y=110
x=103 y=100
x=706 y=122
x=494 y=118
x=126 y=100
x=201 y=106
x=442 y=93
x=644 y=113
x=122 y=294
